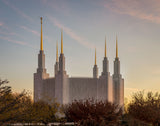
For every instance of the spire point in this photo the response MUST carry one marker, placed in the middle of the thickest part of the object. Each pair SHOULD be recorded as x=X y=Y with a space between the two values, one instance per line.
x=105 y=48
x=95 y=57
x=116 y=48
x=41 y=48
x=61 y=41
x=57 y=51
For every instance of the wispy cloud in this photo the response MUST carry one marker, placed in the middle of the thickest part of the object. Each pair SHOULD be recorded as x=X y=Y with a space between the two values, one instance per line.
x=1 y=23
x=5 y=30
x=16 y=42
x=4 y=26
x=144 y=9
x=35 y=32
x=72 y=34
x=8 y=33
x=58 y=6
x=30 y=30
x=17 y=10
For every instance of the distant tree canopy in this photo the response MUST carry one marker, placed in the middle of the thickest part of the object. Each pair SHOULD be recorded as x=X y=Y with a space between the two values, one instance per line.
x=19 y=107
x=145 y=107
x=44 y=112
x=9 y=103
x=91 y=112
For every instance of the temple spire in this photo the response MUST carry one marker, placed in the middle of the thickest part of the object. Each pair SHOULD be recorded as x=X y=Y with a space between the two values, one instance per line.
x=57 y=52
x=116 y=48
x=41 y=36
x=61 y=41
x=95 y=57
x=105 y=48
x=95 y=68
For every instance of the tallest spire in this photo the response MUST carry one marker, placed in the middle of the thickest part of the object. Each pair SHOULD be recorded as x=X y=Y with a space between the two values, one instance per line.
x=95 y=57
x=105 y=48
x=116 y=48
x=61 y=41
x=41 y=35
x=95 y=68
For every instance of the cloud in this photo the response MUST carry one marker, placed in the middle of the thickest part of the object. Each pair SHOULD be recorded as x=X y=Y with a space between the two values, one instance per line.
x=30 y=30
x=17 y=10
x=5 y=30
x=144 y=9
x=16 y=42
x=72 y=34
x=4 y=26
x=1 y=24
x=58 y=6
x=8 y=33
x=35 y=32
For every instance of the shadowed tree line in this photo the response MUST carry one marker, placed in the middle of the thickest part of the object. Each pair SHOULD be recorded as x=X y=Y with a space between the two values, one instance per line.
x=145 y=107
x=19 y=107
x=143 y=110
x=93 y=113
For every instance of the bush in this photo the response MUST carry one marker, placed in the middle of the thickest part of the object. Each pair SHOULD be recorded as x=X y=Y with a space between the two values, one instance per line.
x=91 y=112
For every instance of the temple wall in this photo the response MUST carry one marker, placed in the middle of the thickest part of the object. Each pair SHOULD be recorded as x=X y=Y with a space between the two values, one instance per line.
x=68 y=89
x=118 y=89
x=38 y=85
x=82 y=88
x=62 y=88
x=105 y=91
x=110 y=89
x=59 y=88
x=102 y=89
x=49 y=89
x=122 y=92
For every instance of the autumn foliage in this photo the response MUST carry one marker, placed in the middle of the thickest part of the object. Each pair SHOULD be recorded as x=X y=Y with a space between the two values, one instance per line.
x=91 y=112
x=145 y=107
x=19 y=108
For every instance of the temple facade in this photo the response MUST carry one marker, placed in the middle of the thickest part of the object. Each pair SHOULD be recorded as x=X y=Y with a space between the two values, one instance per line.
x=65 y=89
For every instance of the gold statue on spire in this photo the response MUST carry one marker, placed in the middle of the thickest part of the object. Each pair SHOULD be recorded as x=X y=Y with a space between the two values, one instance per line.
x=61 y=41
x=41 y=36
x=105 y=48
x=57 y=52
x=95 y=57
x=116 y=48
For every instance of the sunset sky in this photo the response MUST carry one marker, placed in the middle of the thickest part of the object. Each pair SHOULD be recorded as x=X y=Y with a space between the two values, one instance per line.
x=85 y=24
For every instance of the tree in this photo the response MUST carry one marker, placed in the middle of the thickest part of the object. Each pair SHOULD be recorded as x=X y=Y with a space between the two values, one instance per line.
x=9 y=103
x=19 y=107
x=44 y=112
x=24 y=113
x=91 y=112
x=145 y=107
